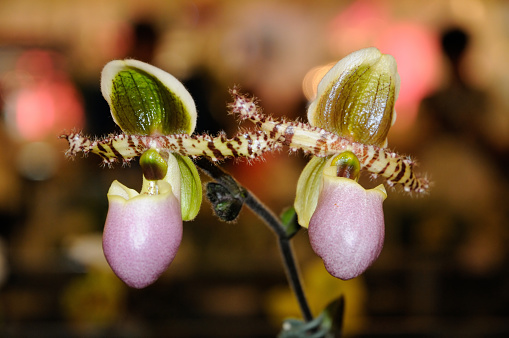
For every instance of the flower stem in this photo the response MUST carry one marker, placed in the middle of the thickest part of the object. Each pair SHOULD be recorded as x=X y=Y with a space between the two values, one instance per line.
x=272 y=221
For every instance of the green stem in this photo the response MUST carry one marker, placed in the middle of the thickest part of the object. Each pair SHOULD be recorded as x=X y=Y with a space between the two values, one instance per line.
x=272 y=221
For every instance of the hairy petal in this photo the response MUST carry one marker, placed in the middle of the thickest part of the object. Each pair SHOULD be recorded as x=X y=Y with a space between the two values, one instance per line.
x=319 y=142
x=123 y=148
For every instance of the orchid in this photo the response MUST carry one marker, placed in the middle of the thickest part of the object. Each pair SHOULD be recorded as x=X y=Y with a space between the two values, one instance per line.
x=347 y=132
x=157 y=116
x=346 y=135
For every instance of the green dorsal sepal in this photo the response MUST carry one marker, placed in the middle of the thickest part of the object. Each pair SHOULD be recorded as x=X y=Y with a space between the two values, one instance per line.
x=356 y=97
x=145 y=100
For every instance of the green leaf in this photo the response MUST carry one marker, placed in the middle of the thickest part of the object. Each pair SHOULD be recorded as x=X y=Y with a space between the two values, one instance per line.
x=145 y=100
x=333 y=317
x=289 y=220
x=190 y=188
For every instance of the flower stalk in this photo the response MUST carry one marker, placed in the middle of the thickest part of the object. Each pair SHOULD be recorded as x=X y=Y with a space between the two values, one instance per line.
x=272 y=222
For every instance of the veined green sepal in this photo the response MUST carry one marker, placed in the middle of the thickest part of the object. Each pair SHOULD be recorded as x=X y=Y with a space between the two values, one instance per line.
x=308 y=189
x=146 y=100
x=191 y=188
x=356 y=97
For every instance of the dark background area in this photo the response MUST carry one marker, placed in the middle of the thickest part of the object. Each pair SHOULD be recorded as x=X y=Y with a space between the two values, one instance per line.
x=444 y=268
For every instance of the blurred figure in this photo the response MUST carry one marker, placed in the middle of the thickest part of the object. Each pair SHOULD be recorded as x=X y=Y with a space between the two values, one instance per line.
x=461 y=110
x=458 y=109
x=144 y=41
x=459 y=230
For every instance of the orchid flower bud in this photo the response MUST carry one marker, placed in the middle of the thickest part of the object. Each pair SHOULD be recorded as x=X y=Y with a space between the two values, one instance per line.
x=347 y=227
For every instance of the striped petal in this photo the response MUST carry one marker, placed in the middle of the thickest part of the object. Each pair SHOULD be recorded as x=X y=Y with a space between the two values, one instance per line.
x=124 y=148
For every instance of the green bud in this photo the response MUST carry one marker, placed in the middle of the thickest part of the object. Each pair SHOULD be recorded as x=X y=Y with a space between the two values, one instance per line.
x=153 y=165
x=356 y=97
x=145 y=100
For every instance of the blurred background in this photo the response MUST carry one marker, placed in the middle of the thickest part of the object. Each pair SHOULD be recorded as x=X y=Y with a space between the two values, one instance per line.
x=444 y=269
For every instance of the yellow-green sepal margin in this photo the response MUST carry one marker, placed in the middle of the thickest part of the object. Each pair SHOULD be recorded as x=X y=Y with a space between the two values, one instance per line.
x=190 y=188
x=308 y=189
x=356 y=97
x=145 y=100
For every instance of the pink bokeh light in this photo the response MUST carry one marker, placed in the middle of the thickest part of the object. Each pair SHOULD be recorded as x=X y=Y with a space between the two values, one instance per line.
x=46 y=102
x=417 y=52
x=414 y=45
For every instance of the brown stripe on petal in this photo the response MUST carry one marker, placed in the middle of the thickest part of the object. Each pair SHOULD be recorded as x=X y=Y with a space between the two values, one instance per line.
x=401 y=173
x=232 y=148
x=415 y=184
x=101 y=149
x=274 y=131
x=249 y=145
x=396 y=171
x=381 y=172
x=180 y=144
x=132 y=144
x=373 y=159
x=321 y=145
x=114 y=150
x=215 y=152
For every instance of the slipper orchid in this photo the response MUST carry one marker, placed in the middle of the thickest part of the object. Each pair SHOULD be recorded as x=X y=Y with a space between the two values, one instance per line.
x=355 y=100
x=347 y=132
x=157 y=115
x=143 y=230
